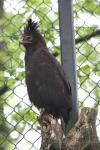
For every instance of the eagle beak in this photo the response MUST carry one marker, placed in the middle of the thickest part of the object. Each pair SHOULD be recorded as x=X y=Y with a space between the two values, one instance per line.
x=26 y=40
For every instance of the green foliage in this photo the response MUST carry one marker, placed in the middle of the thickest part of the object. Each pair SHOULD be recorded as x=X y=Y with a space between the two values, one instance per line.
x=92 y=7
x=87 y=6
x=12 y=63
x=82 y=31
x=25 y=114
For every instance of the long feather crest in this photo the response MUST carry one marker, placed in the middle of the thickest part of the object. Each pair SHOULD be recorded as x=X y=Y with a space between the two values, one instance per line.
x=31 y=26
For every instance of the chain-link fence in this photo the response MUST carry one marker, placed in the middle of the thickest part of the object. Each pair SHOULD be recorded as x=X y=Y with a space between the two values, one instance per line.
x=87 y=31
x=18 y=120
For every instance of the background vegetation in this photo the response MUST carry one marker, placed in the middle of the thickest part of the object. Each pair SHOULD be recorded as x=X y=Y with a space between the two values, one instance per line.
x=18 y=121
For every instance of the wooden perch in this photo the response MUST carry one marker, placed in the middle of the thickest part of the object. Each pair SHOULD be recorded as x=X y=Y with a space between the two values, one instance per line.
x=51 y=133
x=82 y=136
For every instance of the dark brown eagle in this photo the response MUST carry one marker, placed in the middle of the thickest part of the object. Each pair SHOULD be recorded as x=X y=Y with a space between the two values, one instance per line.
x=48 y=88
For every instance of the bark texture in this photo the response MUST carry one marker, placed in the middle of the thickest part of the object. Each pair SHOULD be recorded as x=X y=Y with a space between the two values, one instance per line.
x=82 y=136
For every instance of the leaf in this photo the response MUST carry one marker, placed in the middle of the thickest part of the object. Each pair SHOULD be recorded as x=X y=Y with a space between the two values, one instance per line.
x=86 y=69
x=11 y=82
x=82 y=79
x=30 y=116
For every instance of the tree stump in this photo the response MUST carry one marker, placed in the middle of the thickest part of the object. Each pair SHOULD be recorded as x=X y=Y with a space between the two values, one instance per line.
x=82 y=136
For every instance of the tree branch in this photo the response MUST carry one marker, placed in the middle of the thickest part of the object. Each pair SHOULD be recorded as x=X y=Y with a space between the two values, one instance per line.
x=82 y=136
x=51 y=133
x=3 y=90
x=87 y=37
x=82 y=39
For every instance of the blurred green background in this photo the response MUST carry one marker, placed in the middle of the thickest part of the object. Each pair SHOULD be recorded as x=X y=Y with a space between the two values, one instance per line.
x=18 y=119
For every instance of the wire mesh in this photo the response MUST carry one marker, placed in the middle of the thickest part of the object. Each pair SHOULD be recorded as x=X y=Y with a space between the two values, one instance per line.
x=87 y=32
x=18 y=119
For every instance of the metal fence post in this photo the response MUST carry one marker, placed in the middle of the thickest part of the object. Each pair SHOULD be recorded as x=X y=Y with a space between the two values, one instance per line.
x=67 y=48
